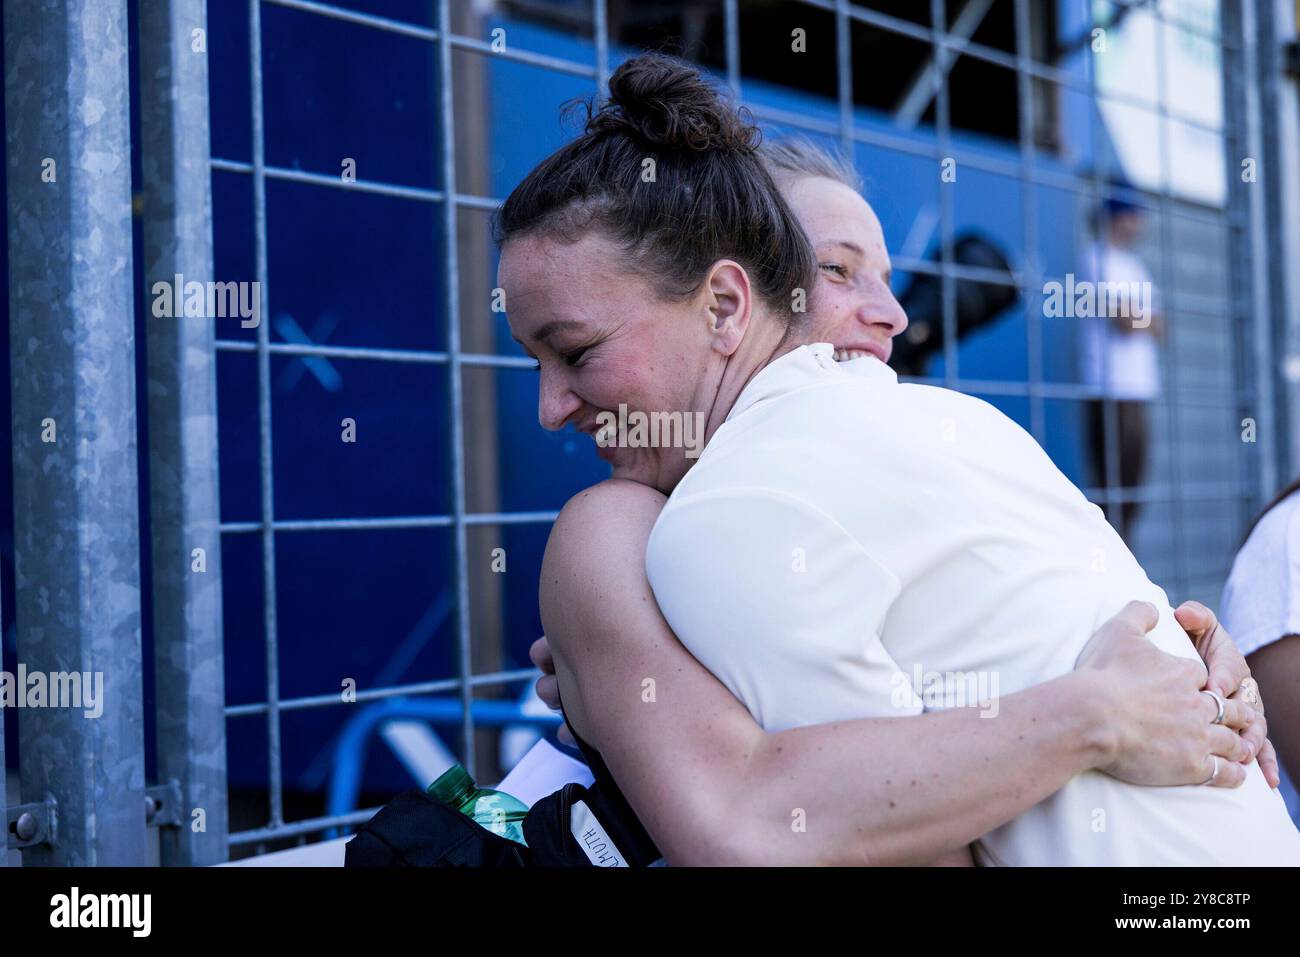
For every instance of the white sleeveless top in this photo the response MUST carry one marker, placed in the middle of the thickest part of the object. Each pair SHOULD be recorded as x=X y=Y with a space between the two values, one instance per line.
x=847 y=546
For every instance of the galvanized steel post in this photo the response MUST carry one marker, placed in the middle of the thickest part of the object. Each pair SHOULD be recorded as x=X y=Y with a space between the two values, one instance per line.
x=182 y=405
x=1279 y=83
x=76 y=528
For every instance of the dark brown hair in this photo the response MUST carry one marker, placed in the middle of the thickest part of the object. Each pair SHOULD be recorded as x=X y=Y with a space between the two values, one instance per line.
x=710 y=198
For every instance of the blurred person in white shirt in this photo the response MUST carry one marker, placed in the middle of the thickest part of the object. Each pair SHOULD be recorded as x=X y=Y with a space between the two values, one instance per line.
x=1121 y=351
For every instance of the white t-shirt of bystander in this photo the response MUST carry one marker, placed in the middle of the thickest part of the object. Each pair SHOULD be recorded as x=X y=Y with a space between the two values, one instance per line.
x=1123 y=365
x=1261 y=601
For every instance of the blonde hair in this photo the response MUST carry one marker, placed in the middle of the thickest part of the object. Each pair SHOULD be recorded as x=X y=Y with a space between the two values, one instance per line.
x=799 y=156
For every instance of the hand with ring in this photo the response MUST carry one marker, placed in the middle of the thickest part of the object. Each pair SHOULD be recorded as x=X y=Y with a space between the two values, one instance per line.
x=1232 y=686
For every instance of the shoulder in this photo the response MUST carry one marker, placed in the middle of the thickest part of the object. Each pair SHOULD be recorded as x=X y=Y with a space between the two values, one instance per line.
x=750 y=531
x=1276 y=537
x=1290 y=509
x=1261 y=599
x=608 y=513
x=1283 y=545
x=596 y=549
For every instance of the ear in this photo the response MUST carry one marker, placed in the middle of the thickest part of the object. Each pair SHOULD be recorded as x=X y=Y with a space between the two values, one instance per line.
x=728 y=302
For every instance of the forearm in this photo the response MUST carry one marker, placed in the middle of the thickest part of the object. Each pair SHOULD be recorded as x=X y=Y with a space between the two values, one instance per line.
x=1276 y=667
x=898 y=791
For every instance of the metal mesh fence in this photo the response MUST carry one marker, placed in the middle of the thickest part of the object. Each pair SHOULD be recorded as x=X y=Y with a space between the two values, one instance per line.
x=1206 y=481
x=1178 y=487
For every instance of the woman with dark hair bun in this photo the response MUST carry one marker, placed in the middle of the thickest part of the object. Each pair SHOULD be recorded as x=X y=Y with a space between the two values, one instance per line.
x=672 y=175
x=832 y=534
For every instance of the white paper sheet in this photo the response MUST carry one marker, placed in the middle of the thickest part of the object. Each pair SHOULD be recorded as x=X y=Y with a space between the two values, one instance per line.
x=542 y=771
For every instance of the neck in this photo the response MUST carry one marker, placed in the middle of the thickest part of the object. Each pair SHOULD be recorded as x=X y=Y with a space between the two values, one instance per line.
x=765 y=343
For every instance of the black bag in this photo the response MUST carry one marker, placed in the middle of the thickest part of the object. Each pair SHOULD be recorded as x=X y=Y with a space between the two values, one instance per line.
x=414 y=830
x=574 y=827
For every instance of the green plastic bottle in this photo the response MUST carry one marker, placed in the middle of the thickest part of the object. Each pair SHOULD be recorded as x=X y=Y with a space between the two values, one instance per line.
x=497 y=811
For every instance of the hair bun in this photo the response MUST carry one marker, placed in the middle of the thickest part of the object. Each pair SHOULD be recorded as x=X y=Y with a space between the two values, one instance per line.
x=665 y=103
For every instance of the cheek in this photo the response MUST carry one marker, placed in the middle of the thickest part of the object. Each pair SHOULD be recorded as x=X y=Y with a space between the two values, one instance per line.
x=652 y=383
x=833 y=305
x=615 y=380
x=656 y=366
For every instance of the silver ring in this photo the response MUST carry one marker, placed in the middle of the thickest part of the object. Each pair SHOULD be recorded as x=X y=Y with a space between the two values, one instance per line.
x=1214 y=775
x=1218 y=700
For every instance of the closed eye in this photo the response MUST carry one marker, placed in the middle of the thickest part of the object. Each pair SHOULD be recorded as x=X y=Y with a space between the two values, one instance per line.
x=836 y=268
x=570 y=358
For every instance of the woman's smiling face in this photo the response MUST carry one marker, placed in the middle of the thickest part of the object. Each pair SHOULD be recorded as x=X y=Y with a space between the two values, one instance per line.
x=853 y=307
x=603 y=336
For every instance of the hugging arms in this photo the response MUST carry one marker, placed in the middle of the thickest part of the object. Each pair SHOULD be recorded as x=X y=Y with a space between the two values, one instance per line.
x=680 y=295
x=712 y=787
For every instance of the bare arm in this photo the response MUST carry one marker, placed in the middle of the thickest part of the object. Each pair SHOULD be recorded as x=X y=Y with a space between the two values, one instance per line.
x=1276 y=667
x=712 y=787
